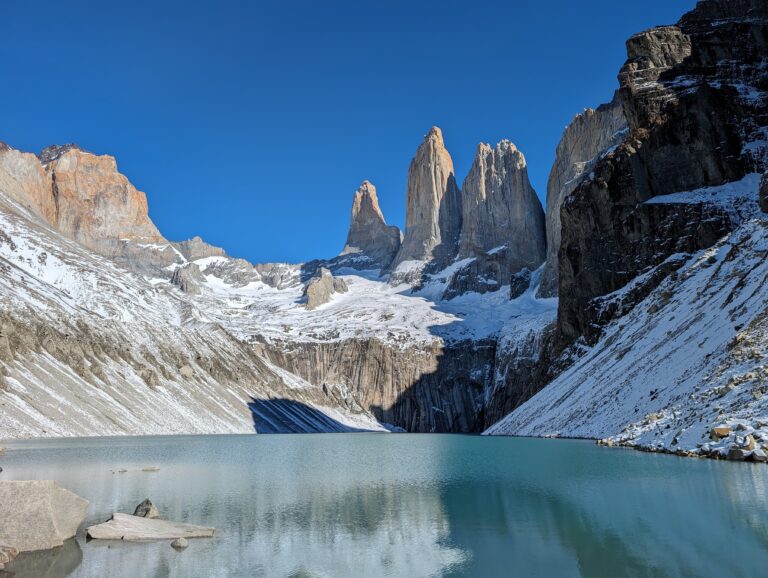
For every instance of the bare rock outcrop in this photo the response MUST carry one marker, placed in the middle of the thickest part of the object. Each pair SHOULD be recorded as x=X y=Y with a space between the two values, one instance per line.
x=433 y=210
x=95 y=203
x=195 y=248
x=188 y=278
x=320 y=288
x=501 y=209
x=764 y=193
x=369 y=235
x=38 y=514
x=590 y=135
x=136 y=528
x=694 y=98
x=24 y=179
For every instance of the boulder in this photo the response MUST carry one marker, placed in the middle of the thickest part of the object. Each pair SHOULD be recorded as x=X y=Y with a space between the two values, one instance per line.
x=737 y=454
x=188 y=278
x=320 y=288
x=720 y=432
x=146 y=510
x=135 y=528
x=179 y=543
x=759 y=456
x=38 y=514
x=369 y=235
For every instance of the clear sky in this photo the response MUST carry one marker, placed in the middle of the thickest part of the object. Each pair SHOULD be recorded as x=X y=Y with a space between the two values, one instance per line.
x=251 y=123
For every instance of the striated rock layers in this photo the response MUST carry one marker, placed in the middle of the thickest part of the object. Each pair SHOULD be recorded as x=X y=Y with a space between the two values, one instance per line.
x=431 y=388
x=369 y=235
x=589 y=136
x=693 y=95
x=433 y=213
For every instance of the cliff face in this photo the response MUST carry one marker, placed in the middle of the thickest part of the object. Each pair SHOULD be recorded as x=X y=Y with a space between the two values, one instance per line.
x=501 y=209
x=590 y=135
x=694 y=99
x=433 y=205
x=370 y=238
x=430 y=388
x=95 y=203
x=24 y=180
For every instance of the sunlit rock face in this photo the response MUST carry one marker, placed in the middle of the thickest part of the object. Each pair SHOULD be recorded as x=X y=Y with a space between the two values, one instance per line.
x=501 y=209
x=369 y=237
x=433 y=210
x=95 y=202
x=23 y=179
x=590 y=135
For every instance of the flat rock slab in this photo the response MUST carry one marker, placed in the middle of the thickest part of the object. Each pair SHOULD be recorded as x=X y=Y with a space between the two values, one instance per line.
x=38 y=514
x=136 y=528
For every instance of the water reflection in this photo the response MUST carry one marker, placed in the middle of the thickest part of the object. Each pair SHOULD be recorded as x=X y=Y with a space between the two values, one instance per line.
x=403 y=505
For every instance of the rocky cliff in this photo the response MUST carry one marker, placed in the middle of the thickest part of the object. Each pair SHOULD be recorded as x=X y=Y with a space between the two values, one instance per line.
x=371 y=243
x=694 y=98
x=433 y=207
x=590 y=135
x=501 y=209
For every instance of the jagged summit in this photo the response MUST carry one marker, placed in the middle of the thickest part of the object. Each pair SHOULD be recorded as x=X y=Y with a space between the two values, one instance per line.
x=500 y=208
x=369 y=235
x=433 y=212
x=53 y=152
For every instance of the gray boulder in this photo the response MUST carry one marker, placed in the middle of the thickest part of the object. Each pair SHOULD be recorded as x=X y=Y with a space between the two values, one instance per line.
x=146 y=510
x=320 y=288
x=188 y=278
x=38 y=514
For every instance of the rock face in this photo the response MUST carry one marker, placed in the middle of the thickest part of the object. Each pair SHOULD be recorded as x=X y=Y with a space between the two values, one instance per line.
x=764 y=193
x=432 y=388
x=500 y=208
x=95 y=203
x=136 y=528
x=369 y=235
x=24 y=179
x=433 y=211
x=693 y=98
x=589 y=135
x=188 y=278
x=195 y=248
x=320 y=288
x=38 y=515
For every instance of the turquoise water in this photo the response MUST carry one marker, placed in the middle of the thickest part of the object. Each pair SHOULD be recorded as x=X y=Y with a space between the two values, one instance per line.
x=367 y=505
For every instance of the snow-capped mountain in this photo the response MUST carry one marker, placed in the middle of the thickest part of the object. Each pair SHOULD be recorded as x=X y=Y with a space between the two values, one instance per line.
x=632 y=311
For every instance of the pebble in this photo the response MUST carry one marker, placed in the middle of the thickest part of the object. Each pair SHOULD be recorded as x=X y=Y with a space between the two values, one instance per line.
x=179 y=543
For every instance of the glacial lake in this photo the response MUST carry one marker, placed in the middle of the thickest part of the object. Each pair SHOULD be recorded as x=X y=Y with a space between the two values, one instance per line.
x=368 y=505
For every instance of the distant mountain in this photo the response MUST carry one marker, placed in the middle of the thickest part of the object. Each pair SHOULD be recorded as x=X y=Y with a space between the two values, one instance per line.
x=632 y=309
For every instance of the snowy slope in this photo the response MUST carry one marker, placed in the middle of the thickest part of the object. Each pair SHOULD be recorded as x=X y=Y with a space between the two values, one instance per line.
x=372 y=308
x=690 y=357
x=87 y=348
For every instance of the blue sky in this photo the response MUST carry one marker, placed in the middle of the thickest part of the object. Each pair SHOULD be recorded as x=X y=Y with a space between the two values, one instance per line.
x=252 y=123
